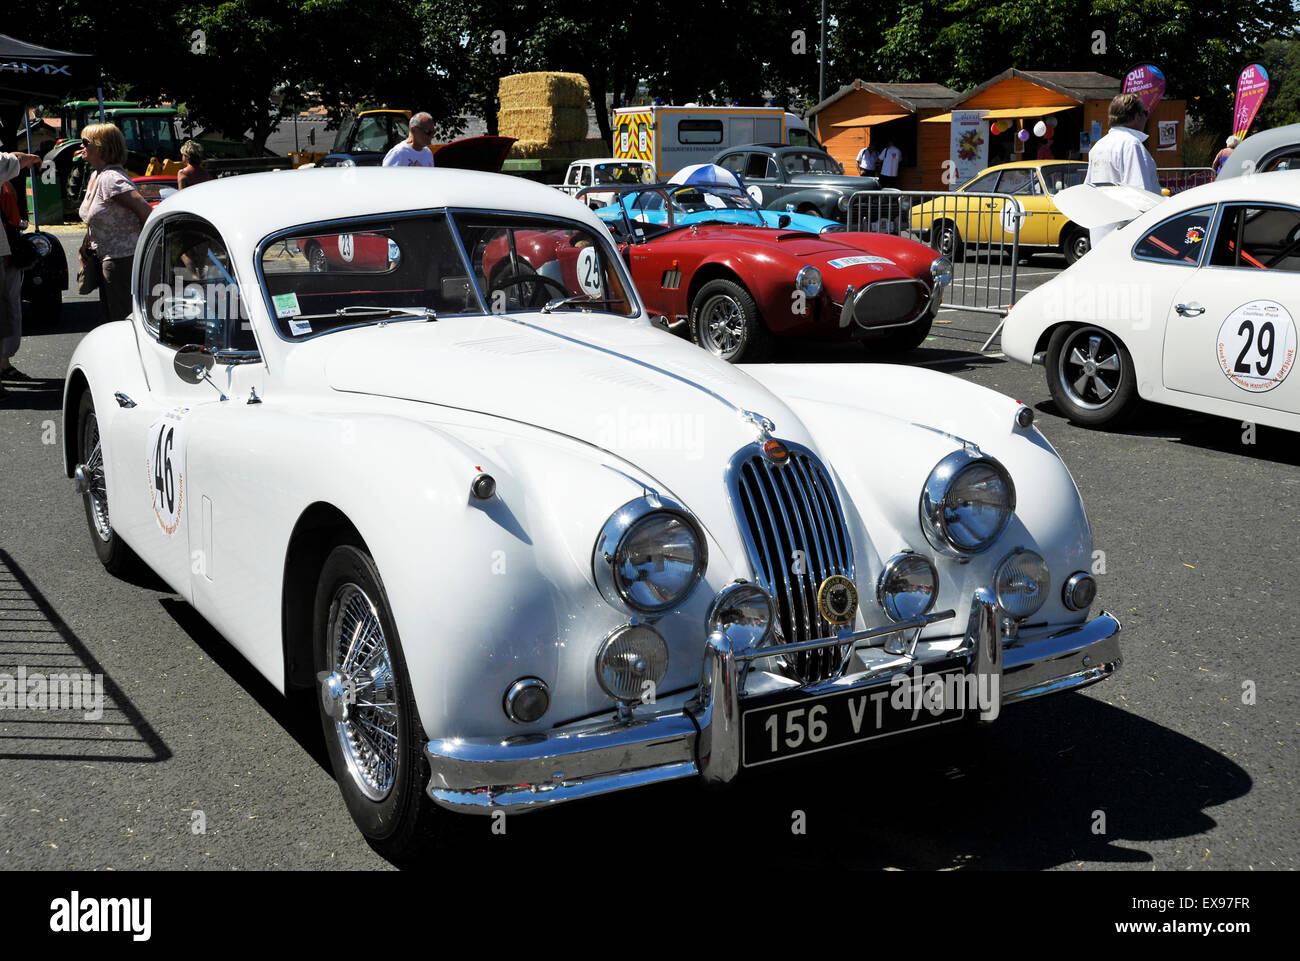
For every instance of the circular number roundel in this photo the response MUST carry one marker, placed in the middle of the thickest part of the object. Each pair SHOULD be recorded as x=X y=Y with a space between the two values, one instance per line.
x=589 y=273
x=1256 y=346
x=347 y=247
x=164 y=462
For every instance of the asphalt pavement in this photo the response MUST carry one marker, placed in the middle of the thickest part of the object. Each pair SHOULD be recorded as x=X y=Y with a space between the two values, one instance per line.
x=1186 y=759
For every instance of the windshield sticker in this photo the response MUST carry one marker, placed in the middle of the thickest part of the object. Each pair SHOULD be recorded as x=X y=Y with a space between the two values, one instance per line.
x=299 y=327
x=856 y=261
x=1256 y=346
x=286 y=305
x=164 y=462
x=1194 y=236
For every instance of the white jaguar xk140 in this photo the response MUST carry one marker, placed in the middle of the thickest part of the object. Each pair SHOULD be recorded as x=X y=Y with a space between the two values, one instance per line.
x=1192 y=304
x=528 y=546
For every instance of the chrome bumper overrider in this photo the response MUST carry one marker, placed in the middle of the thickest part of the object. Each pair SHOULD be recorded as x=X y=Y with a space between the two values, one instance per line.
x=479 y=775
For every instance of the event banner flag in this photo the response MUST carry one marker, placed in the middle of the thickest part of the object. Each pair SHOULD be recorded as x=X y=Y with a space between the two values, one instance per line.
x=969 y=145
x=1148 y=83
x=1252 y=87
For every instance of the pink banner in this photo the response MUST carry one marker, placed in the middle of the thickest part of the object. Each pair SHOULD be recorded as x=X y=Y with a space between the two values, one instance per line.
x=1252 y=87
x=1148 y=83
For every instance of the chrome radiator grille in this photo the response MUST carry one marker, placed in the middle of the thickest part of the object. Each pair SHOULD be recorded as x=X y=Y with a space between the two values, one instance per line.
x=794 y=531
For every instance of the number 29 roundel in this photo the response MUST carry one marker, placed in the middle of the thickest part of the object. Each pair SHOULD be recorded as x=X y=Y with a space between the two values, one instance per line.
x=1256 y=345
x=165 y=462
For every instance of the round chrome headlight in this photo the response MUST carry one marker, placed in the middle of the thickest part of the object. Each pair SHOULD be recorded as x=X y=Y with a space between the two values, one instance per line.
x=966 y=503
x=941 y=271
x=745 y=611
x=631 y=662
x=649 y=556
x=42 y=244
x=809 y=280
x=908 y=586
x=1022 y=582
x=843 y=203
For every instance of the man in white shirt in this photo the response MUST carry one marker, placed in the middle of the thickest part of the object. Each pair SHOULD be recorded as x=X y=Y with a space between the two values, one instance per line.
x=414 y=150
x=1120 y=157
x=890 y=161
x=868 y=160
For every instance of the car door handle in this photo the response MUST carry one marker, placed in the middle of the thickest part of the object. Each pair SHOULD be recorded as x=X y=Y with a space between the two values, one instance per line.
x=1189 y=310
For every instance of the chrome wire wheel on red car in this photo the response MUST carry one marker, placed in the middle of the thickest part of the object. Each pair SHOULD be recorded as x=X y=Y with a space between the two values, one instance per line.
x=1090 y=374
x=725 y=322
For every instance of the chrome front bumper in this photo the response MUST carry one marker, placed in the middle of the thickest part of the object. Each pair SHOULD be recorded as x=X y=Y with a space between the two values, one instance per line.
x=517 y=774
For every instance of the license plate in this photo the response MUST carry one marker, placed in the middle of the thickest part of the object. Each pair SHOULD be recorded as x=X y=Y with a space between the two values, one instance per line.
x=907 y=702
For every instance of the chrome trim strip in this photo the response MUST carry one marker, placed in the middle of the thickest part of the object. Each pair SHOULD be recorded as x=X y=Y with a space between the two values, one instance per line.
x=841 y=639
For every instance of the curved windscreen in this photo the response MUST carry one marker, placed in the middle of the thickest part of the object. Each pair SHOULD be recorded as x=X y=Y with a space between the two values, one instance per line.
x=322 y=278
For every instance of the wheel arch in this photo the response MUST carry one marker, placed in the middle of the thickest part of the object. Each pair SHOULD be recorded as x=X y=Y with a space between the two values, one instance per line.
x=76 y=386
x=714 y=270
x=320 y=528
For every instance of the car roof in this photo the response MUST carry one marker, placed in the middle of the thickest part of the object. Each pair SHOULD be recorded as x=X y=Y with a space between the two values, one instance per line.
x=1024 y=164
x=1275 y=186
x=1256 y=145
x=249 y=207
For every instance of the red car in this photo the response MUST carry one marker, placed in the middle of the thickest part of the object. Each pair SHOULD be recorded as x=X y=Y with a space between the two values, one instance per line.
x=155 y=189
x=360 y=253
x=736 y=288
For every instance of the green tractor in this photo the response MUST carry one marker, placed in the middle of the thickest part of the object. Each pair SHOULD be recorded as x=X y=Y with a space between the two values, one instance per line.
x=149 y=131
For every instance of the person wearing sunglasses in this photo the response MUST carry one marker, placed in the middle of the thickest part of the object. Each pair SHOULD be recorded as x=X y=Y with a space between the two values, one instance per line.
x=414 y=150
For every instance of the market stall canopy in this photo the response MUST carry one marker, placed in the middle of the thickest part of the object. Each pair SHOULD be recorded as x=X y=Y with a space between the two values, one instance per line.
x=1006 y=113
x=871 y=119
x=31 y=73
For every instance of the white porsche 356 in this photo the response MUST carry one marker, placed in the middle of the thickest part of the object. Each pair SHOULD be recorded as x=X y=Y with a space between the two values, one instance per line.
x=1193 y=304
x=528 y=546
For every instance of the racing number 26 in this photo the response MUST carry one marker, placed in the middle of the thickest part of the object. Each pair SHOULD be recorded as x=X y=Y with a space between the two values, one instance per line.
x=796 y=730
x=1264 y=346
x=162 y=468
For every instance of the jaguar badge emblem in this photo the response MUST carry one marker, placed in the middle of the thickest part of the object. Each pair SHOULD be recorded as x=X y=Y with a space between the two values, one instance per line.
x=837 y=600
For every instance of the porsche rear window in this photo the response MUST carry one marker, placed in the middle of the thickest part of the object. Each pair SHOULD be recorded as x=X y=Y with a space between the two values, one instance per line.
x=1178 y=240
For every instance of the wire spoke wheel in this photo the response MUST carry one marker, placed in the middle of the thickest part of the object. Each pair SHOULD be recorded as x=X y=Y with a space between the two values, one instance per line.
x=96 y=492
x=367 y=735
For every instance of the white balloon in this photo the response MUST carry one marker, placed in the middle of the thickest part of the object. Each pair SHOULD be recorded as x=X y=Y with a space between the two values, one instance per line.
x=1040 y=129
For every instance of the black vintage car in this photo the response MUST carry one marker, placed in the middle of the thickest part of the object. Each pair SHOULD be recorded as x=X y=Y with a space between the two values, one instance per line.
x=804 y=179
x=45 y=281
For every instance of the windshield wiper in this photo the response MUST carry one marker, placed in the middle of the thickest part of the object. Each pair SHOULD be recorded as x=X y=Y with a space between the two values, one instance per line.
x=427 y=313
x=575 y=299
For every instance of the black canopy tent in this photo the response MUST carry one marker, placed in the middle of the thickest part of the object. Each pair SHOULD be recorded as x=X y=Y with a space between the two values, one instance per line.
x=30 y=74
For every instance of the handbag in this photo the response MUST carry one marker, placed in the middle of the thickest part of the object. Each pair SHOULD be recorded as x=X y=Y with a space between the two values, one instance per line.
x=90 y=273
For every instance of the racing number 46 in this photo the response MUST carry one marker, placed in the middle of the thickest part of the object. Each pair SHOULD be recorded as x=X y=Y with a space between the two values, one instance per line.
x=162 y=467
x=1265 y=351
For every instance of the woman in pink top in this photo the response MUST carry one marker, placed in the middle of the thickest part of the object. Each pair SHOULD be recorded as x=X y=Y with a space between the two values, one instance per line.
x=114 y=212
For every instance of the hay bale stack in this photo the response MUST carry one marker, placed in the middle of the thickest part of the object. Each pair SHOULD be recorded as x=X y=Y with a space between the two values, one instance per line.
x=543 y=110
x=544 y=89
x=566 y=149
x=547 y=124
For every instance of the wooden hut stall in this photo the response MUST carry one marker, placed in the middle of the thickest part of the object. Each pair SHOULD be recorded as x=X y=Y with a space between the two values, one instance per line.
x=875 y=113
x=1078 y=101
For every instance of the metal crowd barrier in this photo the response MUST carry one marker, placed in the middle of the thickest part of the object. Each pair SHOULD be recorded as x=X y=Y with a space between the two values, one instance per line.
x=1178 y=179
x=979 y=232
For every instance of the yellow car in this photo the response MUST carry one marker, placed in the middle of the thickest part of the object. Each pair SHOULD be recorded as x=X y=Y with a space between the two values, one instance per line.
x=956 y=220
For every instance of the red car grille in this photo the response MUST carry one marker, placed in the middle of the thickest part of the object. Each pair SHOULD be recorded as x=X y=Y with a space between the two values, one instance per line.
x=890 y=302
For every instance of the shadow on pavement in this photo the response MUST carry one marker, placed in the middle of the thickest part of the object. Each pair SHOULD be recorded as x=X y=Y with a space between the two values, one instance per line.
x=35 y=642
x=1024 y=795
